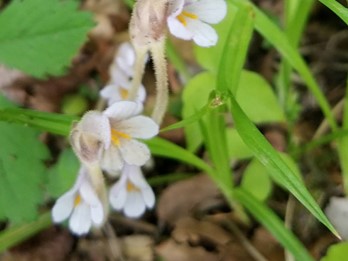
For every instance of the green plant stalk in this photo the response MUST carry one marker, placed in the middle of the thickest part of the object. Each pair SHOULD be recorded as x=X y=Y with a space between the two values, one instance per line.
x=14 y=235
x=279 y=40
x=296 y=16
x=273 y=224
x=340 y=10
x=343 y=145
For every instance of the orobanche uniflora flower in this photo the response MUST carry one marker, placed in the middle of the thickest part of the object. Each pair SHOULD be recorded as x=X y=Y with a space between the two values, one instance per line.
x=132 y=193
x=116 y=130
x=190 y=19
x=82 y=204
x=121 y=74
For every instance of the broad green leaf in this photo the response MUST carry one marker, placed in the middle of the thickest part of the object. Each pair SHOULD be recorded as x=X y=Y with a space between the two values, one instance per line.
x=236 y=146
x=16 y=234
x=40 y=37
x=22 y=172
x=277 y=167
x=62 y=176
x=336 y=7
x=337 y=252
x=272 y=222
x=256 y=180
x=257 y=99
x=279 y=40
x=195 y=96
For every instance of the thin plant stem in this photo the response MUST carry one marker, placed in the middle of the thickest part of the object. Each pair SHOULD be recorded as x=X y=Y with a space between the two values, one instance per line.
x=160 y=64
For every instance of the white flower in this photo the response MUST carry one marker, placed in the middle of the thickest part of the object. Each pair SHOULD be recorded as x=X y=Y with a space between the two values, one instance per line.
x=122 y=72
x=116 y=130
x=132 y=193
x=189 y=19
x=82 y=204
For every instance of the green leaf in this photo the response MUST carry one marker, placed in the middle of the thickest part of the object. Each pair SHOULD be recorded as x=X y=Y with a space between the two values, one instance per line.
x=63 y=174
x=164 y=148
x=256 y=180
x=40 y=37
x=279 y=40
x=277 y=167
x=195 y=96
x=22 y=172
x=266 y=217
x=254 y=90
x=337 y=252
x=340 y=10
x=16 y=234
x=237 y=149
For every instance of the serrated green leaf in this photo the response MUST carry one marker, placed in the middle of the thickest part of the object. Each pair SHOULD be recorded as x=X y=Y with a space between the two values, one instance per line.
x=277 y=167
x=270 y=220
x=253 y=89
x=22 y=172
x=40 y=37
x=63 y=174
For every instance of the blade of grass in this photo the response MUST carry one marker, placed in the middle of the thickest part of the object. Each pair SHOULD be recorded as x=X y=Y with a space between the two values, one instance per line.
x=278 y=39
x=340 y=10
x=14 y=235
x=266 y=217
x=278 y=168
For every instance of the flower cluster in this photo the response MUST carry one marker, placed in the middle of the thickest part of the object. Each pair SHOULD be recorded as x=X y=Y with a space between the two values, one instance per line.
x=108 y=141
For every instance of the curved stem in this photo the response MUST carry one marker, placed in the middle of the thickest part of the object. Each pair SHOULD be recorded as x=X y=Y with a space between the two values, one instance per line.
x=160 y=64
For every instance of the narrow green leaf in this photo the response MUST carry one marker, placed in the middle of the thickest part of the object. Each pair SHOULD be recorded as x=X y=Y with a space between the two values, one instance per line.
x=14 y=235
x=266 y=217
x=278 y=169
x=164 y=148
x=51 y=122
x=40 y=37
x=279 y=40
x=340 y=10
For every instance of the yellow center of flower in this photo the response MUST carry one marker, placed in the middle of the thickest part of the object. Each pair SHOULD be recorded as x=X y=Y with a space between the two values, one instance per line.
x=77 y=200
x=131 y=187
x=184 y=15
x=124 y=93
x=117 y=135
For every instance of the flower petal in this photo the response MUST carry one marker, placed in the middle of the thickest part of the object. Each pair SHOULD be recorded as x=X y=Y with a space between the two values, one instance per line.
x=203 y=34
x=118 y=193
x=178 y=29
x=135 y=205
x=125 y=58
x=112 y=161
x=122 y=110
x=80 y=221
x=149 y=197
x=139 y=127
x=208 y=11
x=175 y=7
x=63 y=207
x=95 y=123
x=134 y=152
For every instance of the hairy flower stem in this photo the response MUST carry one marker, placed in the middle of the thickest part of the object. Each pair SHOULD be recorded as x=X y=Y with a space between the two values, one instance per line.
x=139 y=67
x=160 y=64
